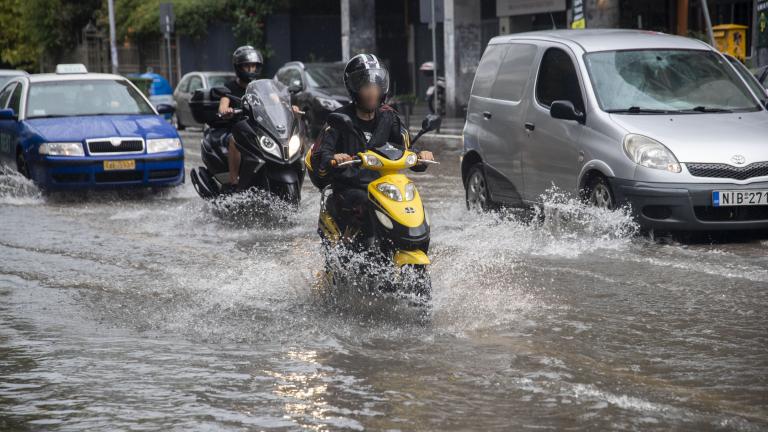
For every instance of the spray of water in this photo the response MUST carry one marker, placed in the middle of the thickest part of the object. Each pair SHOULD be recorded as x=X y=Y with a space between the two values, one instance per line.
x=15 y=189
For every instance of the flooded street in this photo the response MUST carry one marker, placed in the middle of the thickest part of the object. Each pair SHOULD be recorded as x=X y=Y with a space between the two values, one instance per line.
x=154 y=312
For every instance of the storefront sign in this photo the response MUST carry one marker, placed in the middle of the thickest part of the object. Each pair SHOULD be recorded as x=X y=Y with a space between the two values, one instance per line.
x=579 y=20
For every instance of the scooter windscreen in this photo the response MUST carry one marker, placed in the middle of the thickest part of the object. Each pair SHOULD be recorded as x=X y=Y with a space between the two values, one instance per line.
x=270 y=105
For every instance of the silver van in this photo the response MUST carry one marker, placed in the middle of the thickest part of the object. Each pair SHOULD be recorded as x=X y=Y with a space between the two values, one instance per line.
x=663 y=123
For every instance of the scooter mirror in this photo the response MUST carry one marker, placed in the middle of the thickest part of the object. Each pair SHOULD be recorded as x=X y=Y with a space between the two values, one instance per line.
x=431 y=122
x=220 y=91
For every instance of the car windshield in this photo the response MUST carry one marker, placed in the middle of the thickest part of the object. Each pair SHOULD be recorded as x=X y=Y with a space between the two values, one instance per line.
x=749 y=78
x=666 y=81
x=84 y=97
x=219 y=80
x=325 y=76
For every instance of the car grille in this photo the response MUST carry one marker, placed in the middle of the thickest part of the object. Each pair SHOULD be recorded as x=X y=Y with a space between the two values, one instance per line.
x=126 y=145
x=716 y=170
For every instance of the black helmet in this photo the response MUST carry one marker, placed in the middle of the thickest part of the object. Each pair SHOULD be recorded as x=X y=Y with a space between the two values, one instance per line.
x=247 y=54
x=365 y=69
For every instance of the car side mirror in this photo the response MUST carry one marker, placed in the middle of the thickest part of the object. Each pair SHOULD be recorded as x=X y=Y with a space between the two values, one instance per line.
x=564 y=110
x=7 y=114
x=220 y=91
x=431 y=122
x=340 y=121
x=165 y=109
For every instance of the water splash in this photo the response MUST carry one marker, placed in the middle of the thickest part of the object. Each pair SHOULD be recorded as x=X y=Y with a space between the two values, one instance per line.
x=253 y=206
x=15 y=189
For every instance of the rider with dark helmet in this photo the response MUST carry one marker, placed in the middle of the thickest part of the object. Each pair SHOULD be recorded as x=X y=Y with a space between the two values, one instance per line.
x=247 y=62
x=367 y=82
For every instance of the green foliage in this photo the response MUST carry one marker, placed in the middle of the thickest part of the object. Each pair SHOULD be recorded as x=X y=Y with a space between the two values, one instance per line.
x=140 y=19
x=33 y=28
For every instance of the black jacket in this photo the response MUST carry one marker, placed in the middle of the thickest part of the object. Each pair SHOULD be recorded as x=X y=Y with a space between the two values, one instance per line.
x=332 y=141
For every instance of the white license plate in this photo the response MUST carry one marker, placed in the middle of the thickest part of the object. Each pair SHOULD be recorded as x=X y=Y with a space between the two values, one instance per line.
x=739 y=198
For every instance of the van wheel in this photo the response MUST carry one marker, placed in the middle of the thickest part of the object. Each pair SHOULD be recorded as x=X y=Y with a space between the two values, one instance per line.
x=21 y=164
x=477 y=196
x=598 y=193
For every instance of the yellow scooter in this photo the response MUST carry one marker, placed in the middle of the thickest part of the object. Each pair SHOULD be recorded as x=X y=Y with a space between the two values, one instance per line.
x=400 y=237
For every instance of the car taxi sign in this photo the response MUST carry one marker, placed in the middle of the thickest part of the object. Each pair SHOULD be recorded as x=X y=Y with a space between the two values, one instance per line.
x=73 y=68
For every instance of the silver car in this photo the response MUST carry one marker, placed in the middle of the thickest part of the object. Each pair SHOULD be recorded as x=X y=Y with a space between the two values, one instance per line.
x=186 y=88
x=663 y=123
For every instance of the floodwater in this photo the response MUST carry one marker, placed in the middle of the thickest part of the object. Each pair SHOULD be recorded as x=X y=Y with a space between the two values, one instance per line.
x=155 y=312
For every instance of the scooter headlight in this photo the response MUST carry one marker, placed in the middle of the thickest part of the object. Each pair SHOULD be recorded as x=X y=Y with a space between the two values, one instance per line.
x=384 y=219
x=650 y=153
x=372 y=161
x=269 y=145
x=294 y=145
x=410 y=191
x=390 y=191
x=411 y=159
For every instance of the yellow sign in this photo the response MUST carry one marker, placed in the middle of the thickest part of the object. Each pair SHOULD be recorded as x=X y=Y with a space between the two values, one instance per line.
x=579 y=24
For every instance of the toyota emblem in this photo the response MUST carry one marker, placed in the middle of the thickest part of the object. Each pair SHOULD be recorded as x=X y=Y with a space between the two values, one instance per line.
x=738 y=159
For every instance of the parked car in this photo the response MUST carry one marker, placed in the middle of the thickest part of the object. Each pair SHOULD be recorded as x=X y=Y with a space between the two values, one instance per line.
x=660 y=122
x=186 y=88
x=74 y=129
x=316 y=88
x=754 y=84
x=7 y=74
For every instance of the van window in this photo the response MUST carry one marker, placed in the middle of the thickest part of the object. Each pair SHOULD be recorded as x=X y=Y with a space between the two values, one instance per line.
x=15 y=101
x=6 y=94
x=514 y=72
x=558 y=80
x=486 y=70
x=195 y=83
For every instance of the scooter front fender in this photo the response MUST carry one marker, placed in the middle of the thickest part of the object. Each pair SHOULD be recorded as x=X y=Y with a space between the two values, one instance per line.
x=411 y=257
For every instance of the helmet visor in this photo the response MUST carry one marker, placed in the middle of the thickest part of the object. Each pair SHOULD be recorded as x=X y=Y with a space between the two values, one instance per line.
x=378 y=77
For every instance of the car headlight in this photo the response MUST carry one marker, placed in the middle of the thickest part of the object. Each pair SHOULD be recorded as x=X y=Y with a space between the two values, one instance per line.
x=390 y=191
x=372 y=161
x=329 y=104
x=384 y=219
x=294 y=145
x=269 y=145
x=410 y=191
x=61 y=149
x=411 y=159
x=163 y=145
x=650 y=153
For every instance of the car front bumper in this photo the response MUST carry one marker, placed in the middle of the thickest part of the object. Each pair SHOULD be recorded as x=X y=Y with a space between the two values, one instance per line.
x=162 y=169
x=688 y=206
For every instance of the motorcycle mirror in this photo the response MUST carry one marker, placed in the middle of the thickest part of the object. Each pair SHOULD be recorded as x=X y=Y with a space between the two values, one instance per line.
x=293 y=88
x=431 y=122
x=220 y=91
x=340 y=121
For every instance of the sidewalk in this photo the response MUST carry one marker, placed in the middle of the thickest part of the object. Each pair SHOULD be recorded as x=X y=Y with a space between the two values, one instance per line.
x=449 y=126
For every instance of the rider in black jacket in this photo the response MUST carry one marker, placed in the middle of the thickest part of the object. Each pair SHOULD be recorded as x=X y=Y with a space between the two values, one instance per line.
x=367 y=82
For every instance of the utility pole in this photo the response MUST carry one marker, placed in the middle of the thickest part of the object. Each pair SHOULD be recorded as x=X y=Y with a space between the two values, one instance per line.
x=112 y=35
x=436 y=99
x=708 y=22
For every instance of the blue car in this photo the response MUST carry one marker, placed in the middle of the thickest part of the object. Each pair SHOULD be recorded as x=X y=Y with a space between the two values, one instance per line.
x=75 y=130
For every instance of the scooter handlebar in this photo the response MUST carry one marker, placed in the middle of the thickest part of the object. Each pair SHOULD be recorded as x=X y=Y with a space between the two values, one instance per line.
x=235 y=112
x=355 y=161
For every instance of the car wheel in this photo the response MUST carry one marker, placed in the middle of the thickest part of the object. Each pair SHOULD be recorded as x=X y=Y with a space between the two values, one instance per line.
x=175 y=121
x=477 y=196
x=599 y=194
x=21 y=164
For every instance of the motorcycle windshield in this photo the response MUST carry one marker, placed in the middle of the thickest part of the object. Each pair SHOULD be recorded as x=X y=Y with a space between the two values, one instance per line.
x=270 y=105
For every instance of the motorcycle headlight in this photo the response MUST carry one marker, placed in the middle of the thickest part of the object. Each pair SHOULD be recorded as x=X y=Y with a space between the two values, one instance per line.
x=269 y=145
x=410 y=191
x=650 y=153
x=61 y=149
x=372 y=161
x=163 y=145
x=384 y=219
x=329 y=104
x=390 y=191
x=411 y=159
x=294 y=145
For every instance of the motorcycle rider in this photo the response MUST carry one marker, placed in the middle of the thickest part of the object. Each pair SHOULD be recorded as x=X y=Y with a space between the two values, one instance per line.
x=247 y=62
x=367 y=82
